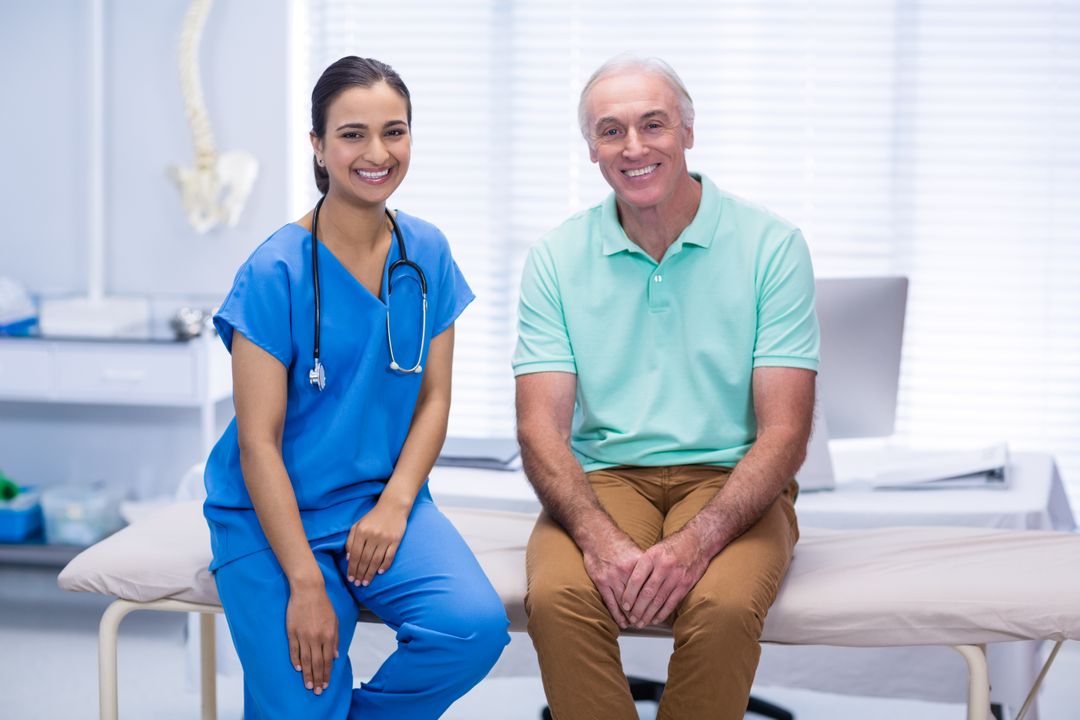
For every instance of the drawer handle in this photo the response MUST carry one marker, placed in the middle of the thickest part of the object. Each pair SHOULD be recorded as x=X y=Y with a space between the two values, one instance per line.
x=127 y=377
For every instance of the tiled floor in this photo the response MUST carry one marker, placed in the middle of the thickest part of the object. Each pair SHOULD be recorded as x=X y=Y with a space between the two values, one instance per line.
x=48 y=670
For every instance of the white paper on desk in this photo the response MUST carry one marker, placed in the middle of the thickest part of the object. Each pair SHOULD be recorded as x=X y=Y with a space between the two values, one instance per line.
x=483 y=453
x=981 y=468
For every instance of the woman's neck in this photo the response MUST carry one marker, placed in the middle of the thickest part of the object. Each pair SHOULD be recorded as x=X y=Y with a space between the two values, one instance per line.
x=353 y=226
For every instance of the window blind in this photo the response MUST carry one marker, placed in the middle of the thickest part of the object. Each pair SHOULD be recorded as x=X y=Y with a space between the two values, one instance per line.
x=449 y=56
x=987 y=197
x=936 y=139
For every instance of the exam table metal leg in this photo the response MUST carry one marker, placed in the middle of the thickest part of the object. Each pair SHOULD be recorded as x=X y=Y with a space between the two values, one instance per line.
x=207 y=666
x=1038 y=681
x=110 y=622
x=978 y=681
x=107 y=632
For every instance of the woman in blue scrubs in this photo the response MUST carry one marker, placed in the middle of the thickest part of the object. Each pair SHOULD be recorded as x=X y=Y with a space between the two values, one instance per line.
x=317 y=494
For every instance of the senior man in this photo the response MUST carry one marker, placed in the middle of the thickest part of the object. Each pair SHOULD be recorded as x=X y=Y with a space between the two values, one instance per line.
x=665 y=371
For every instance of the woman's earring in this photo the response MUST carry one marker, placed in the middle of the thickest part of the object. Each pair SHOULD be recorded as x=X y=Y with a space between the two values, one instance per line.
x=321 y=162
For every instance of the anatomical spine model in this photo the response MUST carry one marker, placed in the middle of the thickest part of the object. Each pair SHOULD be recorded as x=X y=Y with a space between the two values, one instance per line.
x=216 y=189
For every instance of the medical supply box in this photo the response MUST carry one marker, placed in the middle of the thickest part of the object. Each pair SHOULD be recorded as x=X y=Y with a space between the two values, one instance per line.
x=79 y=514
x=20 y=517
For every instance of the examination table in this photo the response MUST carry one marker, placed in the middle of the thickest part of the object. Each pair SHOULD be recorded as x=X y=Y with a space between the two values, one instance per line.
x=951 y=586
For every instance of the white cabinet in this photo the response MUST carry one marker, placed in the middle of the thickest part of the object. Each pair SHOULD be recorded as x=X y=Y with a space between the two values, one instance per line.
x=24 y=368
x=117 y=410
x=151 y=374
x=181 y=374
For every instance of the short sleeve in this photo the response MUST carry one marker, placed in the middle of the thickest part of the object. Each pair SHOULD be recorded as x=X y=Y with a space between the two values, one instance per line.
x=258 y=307
x=787 y=330
x=543 y=343
x=454 y=292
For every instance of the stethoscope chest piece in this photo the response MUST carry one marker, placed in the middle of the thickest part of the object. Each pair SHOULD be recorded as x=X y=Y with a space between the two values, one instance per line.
x=317 y=375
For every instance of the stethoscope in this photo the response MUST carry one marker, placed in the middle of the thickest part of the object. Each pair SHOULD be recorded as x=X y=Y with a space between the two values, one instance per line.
x=317 y=374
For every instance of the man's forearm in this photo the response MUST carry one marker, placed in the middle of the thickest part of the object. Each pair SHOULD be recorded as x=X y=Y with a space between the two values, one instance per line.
x=561 y=485
x=754 y=485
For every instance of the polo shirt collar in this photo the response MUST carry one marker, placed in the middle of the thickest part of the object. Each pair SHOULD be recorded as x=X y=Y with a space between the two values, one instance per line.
x=700 y=231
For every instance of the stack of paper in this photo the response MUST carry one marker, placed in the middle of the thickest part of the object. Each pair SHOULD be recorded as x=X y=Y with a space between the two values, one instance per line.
x=484 y=453
x=985 y=467
x=95 y=317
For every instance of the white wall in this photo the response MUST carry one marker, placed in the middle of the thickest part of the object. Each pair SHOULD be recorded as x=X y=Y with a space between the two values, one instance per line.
x=151 y=250
x=44 y=159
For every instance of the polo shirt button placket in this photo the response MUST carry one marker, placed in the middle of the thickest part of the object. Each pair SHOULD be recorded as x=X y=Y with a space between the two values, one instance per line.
x=657 y=292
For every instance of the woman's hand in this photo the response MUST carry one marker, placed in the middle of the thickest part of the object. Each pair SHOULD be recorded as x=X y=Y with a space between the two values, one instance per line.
x=312 y=627
x=374 y=540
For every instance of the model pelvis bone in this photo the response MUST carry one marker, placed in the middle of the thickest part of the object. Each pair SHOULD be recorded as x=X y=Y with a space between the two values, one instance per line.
x=215 y=190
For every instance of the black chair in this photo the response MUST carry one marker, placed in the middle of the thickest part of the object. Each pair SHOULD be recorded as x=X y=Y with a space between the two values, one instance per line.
x=651 y=690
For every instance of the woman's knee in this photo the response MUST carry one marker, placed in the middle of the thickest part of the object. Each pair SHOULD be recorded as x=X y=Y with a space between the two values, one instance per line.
x=474 y=632
x=490 y=637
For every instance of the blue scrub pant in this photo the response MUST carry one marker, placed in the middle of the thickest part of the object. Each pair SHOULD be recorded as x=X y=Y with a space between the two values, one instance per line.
x=450 y=625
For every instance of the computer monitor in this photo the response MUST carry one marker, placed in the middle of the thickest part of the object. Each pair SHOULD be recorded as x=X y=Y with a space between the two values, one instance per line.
x=862 y=332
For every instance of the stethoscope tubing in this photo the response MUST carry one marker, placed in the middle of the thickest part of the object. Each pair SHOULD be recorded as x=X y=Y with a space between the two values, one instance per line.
x=317 y=374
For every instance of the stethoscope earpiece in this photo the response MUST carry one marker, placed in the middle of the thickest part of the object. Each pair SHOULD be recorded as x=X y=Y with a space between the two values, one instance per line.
x=317 y=374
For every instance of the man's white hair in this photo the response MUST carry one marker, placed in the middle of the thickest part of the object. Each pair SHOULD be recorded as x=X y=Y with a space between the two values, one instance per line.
x=629 y=63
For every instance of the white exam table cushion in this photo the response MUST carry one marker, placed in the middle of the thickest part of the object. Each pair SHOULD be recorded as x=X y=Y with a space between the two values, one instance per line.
x=872 y=588
x=928 y=586
x=165 y=554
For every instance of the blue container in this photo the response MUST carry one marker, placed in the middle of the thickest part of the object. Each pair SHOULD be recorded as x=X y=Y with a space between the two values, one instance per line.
x=20 y=328
x=20 y=517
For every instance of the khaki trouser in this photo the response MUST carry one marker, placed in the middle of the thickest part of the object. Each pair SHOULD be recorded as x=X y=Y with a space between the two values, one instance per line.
x=716 y=626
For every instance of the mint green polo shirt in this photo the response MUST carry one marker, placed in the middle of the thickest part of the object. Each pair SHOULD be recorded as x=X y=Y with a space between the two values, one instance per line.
x=664 y=352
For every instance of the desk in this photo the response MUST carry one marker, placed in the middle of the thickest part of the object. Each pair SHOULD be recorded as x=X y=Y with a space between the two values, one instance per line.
x=1035 y=501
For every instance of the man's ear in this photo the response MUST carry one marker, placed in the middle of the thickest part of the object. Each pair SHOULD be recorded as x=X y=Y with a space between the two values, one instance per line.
x=689 y=141
x=592 y=152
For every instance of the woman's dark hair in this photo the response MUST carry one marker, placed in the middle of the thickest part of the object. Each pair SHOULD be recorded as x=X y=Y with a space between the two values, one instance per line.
x=349 y=72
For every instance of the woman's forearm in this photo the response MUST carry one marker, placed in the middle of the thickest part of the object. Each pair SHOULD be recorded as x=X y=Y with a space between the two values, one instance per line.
x=422 y=445
x=274 y=501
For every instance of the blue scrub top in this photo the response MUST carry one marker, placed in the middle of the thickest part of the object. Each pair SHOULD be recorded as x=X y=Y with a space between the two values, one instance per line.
x=341 y=444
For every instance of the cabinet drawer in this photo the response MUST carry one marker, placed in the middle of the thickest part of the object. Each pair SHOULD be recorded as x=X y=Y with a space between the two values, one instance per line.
x=24 y=371
x=131 y=374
